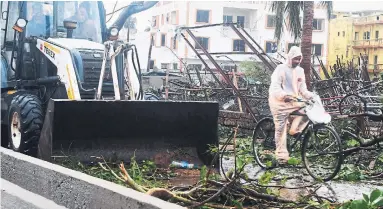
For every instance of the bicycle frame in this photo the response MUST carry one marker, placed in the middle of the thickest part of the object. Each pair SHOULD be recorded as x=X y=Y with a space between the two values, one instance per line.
x=308 y=127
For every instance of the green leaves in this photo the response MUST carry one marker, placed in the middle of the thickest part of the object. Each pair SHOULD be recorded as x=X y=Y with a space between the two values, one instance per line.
x=294 y=161
x=375 y=195
x=366 y=198
x=203 y=173
x=359 y=204
x=254 y=71
x=352 y=143
x=374 y=201
x=266 y=178
x=351 y=173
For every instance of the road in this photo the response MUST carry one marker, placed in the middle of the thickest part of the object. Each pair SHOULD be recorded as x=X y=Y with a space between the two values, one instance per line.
x=340 y=191
x=13 y=196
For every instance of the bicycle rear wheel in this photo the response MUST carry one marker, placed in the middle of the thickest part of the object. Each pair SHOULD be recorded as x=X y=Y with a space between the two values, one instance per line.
x=322 y=152
x=264 y=143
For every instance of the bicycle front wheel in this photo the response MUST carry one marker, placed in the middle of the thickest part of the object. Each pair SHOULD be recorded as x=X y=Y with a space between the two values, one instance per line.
x=322 y=152
x=264 y=143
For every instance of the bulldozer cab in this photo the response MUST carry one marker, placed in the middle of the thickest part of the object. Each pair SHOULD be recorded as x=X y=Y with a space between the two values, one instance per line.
x=44 y=20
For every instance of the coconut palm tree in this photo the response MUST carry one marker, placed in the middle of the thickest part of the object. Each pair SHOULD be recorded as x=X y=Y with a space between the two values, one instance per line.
x=292 y=10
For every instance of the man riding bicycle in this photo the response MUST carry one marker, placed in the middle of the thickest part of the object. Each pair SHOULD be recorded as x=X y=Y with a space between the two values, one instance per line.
x=287 y=83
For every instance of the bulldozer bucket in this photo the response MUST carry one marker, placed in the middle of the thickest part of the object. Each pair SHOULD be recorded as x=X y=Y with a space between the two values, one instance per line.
x=149 y=130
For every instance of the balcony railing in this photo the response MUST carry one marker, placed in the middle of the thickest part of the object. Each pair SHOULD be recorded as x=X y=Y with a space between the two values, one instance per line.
x=370 y=43
x=368 y=20
x=375 y=68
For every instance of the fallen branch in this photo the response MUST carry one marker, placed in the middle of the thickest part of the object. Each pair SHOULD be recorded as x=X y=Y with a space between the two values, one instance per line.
x=130 y=181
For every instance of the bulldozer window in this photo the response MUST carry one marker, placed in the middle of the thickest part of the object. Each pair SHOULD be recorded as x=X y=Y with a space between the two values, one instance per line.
x=39 y=16
x=87 y=16
x=4 y=8
x=10 y=14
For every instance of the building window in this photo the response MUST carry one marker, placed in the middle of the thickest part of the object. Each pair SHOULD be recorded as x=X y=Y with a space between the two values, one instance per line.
x=316 y=49
x=238 y=45
x=271 y=47
x=173 y=43
x=154 y=21
x=163 y=39
x=203 y=41
x=241 y=21
x=151 y=65
x=173 y=17
x=366 y=35
x=202 y=16
x=375 y=62
x=289 y=45
x=356 y=36
x=343 y=33
x=227 y=19
x=175 y=66
x=195 y=67
x=338 y=33
x=167 y=17
x=377 y=34
x=164 y=66
x=154 y=39
x=271 y=21
x=227 y=68
x=317 y=24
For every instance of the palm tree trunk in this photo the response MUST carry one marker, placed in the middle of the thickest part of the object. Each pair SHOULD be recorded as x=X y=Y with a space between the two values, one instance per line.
x=307 y=32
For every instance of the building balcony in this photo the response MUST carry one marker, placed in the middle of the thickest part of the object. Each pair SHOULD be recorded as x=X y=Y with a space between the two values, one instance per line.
x=375 y=68
x=371 y=20
x=371 y=43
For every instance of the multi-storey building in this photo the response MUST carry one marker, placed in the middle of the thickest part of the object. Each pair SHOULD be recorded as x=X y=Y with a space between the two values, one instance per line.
x=255 y=16
x=352 y=35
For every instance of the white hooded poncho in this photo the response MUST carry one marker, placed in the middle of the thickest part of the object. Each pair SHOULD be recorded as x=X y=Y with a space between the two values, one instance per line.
x=286 y=80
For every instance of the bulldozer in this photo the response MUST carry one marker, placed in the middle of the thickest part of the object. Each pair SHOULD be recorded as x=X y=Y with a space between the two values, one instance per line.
x=64 y=90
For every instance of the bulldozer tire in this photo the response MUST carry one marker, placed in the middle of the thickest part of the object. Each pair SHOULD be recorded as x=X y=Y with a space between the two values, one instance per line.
x=25 y=123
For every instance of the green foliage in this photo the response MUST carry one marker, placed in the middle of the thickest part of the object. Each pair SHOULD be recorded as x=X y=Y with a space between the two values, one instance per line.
x=244 y=155
x=266 y=178
x=294 y=161
x=352 y=143
x=374 y=201
x=380 y=158
x=293 y=10
x=351 y=173
x=213 y=148
x=237 y=204
x=284 y=180
x=203 y=173
x=254 y=72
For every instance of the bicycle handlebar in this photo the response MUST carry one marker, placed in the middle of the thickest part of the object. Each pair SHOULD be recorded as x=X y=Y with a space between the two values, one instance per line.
x=308 y=102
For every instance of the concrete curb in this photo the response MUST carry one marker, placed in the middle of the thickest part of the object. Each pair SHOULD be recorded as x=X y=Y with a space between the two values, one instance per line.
x=70 y=188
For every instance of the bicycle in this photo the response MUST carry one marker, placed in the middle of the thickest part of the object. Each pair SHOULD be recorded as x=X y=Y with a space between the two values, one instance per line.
x=263 y=137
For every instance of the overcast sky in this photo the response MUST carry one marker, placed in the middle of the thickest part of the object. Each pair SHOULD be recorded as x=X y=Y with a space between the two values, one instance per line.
x=353 y=6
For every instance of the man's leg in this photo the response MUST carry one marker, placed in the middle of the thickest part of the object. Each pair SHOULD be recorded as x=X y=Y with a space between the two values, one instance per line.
x=298 y=124
x=280 y=121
